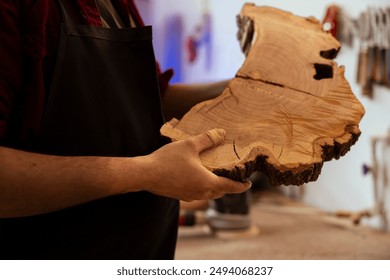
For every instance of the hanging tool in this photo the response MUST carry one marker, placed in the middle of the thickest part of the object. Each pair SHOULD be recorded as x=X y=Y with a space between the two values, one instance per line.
x=374 y=54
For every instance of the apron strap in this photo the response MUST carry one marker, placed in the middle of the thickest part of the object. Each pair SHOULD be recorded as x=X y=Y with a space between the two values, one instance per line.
x=65 y=11
x=108 y=14
x=104 y=13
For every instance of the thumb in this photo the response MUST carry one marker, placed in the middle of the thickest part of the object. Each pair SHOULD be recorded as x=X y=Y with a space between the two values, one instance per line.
x=209 y=139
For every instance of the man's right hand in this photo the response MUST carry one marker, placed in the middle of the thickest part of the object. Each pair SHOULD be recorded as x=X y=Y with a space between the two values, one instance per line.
x=176 y=170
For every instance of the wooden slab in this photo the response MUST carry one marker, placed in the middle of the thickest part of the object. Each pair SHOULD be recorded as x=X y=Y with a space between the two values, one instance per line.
x=288 y=109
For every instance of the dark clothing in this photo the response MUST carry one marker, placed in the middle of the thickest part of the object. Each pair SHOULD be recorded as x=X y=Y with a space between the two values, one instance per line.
x=103 y=99
x=29 y=36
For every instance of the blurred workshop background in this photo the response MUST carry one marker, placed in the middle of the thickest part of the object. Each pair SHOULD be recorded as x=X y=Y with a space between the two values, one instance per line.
x=198 y=39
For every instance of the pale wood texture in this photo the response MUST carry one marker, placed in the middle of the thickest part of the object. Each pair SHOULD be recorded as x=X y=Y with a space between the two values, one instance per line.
x=288 y=109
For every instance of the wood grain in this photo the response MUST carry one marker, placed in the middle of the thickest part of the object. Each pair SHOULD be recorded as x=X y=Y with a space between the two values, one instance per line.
x=288 y=109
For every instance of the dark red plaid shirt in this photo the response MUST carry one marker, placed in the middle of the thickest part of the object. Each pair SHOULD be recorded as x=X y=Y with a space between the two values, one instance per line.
x=29 y=36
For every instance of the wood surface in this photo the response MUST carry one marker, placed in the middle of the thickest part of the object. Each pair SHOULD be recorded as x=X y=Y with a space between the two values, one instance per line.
x=288 y=109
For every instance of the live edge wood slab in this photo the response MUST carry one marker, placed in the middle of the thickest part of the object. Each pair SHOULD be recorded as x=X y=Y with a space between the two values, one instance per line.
x=288 y=109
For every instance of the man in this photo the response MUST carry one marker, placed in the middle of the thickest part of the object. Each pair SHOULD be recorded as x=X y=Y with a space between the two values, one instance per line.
x=84 y=173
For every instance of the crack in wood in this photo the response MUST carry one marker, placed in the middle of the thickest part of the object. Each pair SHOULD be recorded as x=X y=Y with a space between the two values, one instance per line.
x=275 y=84
x=234 y=149
x=281 y=152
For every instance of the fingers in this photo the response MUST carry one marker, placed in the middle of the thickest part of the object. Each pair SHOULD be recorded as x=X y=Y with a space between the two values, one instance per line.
x=214 y=186
x=216 y=136
x=217 y=188
x=209 y=139
x=230 y=186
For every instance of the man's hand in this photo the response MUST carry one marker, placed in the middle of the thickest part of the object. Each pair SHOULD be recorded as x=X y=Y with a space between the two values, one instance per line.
x=176 y=170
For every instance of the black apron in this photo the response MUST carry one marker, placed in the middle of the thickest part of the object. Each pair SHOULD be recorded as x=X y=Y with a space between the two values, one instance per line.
x=104 y=100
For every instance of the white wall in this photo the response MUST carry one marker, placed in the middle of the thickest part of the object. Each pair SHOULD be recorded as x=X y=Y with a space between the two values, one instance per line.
x=341 y=184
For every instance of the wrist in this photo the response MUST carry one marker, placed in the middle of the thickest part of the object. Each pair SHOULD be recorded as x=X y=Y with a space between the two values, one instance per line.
x=130 y=174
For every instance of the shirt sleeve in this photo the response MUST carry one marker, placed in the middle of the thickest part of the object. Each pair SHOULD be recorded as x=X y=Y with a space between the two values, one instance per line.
x=11 y=62
x=164 y=78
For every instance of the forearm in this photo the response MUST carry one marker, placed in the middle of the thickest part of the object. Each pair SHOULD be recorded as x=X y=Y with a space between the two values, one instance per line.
x=33 y=183
x=180 y=98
